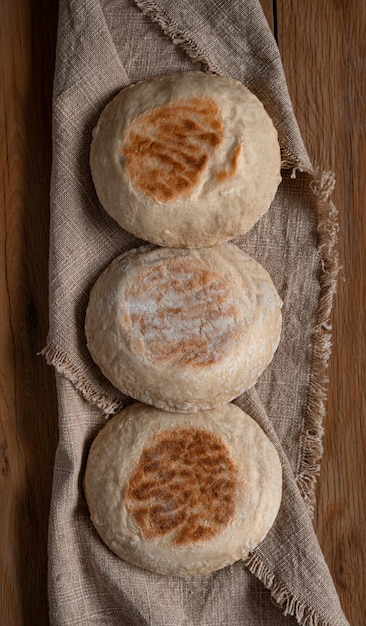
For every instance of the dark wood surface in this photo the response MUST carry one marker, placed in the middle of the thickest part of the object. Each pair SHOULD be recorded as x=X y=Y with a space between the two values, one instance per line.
x=28 y=409
x=323 y=49
x=322 y=45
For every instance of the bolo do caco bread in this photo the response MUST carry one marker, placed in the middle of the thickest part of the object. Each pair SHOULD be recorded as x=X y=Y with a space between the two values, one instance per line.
x=186 y=159
x=183 y=330
x=182 y=494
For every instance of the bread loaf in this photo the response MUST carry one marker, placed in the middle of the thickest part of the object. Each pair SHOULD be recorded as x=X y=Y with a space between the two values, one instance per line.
x=186 y=159
x=182 y=494
x=183 y=330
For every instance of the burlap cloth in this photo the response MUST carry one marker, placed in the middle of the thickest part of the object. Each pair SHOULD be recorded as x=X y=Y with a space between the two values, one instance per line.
x=103 y=46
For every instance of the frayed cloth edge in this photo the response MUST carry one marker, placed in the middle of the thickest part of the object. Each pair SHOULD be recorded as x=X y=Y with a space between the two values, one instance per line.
x=286 y=601
x=322 y=184
x=311 y=443
x=178 y=37
x=65 y=366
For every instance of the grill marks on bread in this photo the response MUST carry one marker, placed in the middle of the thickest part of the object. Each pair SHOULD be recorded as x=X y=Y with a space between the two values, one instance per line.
x=228 y=173
x=168 y=147
x=184 y=485
x=181 y=312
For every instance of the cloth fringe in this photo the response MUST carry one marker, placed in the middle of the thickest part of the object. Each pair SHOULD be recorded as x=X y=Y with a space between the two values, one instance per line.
x=304 y=614
x=311 y=446
x=65 y=366
x=178 y=37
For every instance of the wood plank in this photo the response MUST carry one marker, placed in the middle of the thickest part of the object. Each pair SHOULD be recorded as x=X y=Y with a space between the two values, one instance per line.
x=267 y=6
x=323 y=50
x=28 y=411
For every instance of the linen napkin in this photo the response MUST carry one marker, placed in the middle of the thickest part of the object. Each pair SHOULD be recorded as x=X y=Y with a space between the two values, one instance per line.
x=103 y=46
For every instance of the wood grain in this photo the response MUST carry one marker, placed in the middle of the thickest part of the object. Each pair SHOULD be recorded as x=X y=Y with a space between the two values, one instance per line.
x=28 y=426
x=323 y=49
x=269 y=11
x=322 y=46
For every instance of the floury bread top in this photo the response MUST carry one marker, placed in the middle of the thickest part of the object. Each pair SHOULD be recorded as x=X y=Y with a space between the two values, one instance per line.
x=186 y=159
x=181 y=329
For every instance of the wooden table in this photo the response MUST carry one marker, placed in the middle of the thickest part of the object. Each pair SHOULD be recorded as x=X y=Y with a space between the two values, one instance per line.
x=323 y=48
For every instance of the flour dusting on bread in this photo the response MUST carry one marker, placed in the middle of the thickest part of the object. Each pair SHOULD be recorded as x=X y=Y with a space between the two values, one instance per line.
x=183 y=330
x=181 y=311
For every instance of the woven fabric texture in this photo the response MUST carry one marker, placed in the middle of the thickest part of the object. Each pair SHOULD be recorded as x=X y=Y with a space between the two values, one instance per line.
x=103 y=46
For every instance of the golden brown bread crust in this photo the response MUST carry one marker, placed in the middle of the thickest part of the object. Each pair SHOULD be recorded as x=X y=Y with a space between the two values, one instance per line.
x=184 y=485
x=186 y=159
x=182 y=494
x=168 y=148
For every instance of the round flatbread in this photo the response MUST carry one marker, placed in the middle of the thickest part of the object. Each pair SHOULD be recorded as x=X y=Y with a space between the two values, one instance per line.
x=186 y=159
x=183 y=330
x=184 y=494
